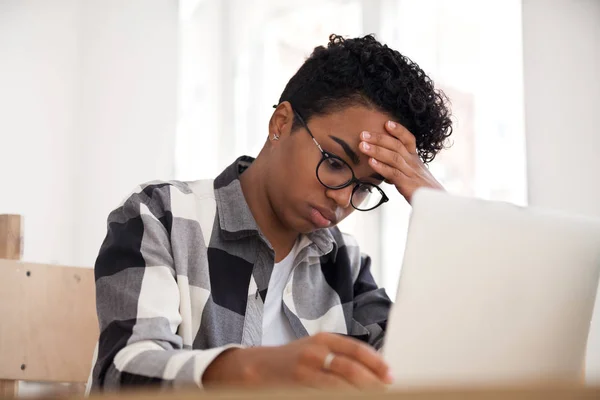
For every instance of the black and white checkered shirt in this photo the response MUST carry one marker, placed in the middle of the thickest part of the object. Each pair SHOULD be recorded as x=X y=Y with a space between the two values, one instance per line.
x=171 y=297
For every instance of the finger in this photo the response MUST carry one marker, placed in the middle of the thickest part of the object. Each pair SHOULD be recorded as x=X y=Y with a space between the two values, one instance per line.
x=399 y=160
x=403 y=134
x=358 y=351
x=309 y=370
x=392 y=175
x=319 y=379
x=383 y=140
x=354 y=373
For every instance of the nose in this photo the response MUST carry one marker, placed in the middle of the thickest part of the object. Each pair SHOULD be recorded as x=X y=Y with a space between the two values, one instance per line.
x=341 y=196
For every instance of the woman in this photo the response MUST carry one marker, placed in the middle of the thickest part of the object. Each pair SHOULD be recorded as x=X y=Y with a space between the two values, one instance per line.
x=247 y=280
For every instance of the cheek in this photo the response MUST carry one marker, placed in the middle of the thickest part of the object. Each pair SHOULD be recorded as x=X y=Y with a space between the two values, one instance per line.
x=301 y=172
x=297 y=181
x=293 y=178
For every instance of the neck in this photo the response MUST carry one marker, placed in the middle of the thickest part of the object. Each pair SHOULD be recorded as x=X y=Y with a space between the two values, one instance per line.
x=254 y=187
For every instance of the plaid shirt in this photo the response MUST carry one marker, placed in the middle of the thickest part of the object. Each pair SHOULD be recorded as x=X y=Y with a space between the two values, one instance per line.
x=170 y=297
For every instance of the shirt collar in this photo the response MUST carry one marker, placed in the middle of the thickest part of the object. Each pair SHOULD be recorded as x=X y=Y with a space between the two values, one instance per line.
x=236 y=220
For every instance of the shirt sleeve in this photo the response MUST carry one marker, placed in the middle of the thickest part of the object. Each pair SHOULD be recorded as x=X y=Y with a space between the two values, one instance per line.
x=138 y=298
x=371 y=304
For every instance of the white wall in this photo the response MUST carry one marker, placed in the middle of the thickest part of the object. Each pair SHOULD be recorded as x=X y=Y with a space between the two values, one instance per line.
x=127 y=108
x=38 y=93
x=561 y=41
x=87 y=111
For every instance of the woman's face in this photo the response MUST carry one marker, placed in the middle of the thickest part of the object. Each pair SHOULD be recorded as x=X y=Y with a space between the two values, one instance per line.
x=299 y=200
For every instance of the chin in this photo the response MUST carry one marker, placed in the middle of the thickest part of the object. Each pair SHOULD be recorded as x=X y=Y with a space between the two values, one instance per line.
x=301 y=225
x=305 y=227
x=297 y=222
x=308 y=227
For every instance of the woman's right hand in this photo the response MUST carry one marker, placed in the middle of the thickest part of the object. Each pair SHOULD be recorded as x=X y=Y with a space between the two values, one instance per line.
x=301 y=363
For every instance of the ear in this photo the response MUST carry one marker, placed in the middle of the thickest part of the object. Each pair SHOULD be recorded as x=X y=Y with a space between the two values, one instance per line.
x=280 y=124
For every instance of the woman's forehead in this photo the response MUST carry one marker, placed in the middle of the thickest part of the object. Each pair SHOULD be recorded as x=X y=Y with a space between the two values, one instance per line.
x=351 y=121
x=343 y=128
x=340 y=133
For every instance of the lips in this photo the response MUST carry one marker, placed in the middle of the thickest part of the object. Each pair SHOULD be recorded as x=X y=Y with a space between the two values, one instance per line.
x=318 y=219
x=322 y=217
x=327 y=214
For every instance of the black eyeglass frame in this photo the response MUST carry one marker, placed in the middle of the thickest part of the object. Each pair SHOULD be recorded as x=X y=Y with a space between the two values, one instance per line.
x=354 y=180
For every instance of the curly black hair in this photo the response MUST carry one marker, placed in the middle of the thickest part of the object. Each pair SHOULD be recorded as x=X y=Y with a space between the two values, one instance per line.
x=363 y=71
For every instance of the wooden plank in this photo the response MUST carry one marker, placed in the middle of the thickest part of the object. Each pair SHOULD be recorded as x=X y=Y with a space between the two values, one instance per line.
x=8 y=388
x=550 y=392
x=10 y=248
x=49 y=325
x=11 y=237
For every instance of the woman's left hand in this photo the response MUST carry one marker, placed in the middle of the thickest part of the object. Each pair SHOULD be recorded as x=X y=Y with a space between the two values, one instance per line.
x=395 y=157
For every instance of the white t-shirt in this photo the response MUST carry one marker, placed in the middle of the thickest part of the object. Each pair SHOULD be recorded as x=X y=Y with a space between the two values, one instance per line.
x=276 y=328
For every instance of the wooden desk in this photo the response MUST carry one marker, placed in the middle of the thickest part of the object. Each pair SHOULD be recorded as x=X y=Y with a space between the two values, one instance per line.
x=539 y=393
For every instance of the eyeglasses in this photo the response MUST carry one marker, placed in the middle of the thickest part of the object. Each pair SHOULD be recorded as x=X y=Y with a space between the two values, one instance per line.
x=335 y=173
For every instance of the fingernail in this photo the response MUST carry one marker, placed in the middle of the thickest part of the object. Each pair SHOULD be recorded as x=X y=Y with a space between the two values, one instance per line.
x=366 y=146
x=391 y=124
x=389 y=378
x=366 y=135
x=373 y=161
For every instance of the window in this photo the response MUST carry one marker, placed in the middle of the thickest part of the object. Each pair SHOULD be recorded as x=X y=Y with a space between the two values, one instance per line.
x=237 y=56
x=472 y=50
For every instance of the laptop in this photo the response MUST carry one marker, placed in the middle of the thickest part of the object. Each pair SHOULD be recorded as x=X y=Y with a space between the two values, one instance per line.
x=492 y=294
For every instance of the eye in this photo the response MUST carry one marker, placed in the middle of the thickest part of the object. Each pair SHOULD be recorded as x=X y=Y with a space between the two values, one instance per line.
x=335 y=165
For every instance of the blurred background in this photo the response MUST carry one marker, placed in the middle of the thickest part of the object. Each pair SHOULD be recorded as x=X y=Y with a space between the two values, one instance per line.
x=97 y=96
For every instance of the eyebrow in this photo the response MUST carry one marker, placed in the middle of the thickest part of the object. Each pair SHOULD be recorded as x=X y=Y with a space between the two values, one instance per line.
x=347 y=149
x=350 y=153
